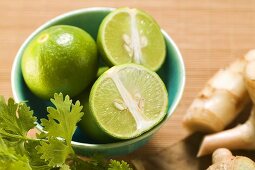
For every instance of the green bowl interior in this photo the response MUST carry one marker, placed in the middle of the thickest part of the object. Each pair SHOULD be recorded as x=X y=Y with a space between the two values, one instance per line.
x=172 y=72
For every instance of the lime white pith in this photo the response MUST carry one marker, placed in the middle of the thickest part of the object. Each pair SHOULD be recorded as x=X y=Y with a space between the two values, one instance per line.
x=133 y=43
x=135 y=104
x=128 y=100
x=131 y=36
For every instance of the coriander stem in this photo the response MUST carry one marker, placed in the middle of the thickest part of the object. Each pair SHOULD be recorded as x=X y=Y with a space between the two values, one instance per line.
x=18 y=136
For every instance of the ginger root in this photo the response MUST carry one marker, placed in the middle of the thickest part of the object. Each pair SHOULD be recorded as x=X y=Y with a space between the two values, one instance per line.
x=223 y=97
x=224 y=160
x=249 y=74
x=239 y=137
x=242 y=136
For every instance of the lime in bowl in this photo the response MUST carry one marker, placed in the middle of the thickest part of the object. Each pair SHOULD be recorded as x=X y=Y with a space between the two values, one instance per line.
x=172 y=73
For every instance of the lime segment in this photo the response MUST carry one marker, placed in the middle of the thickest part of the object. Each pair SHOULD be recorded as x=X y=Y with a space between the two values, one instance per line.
x=126 y=101
x=131 y=36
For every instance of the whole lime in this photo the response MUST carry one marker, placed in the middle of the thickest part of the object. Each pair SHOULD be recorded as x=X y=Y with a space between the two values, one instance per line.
x=60 y=59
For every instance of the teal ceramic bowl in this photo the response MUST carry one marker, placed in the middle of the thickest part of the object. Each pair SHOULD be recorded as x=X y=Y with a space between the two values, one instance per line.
x=172 y=73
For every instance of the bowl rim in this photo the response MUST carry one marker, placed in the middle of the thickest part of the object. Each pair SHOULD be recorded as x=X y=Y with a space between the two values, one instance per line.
x=175 y=103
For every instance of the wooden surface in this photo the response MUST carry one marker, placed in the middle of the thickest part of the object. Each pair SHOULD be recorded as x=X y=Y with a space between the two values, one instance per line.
x=209 y=34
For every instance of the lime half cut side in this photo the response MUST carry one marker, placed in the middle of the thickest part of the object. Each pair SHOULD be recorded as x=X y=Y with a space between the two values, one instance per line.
x=128 y=100
x=131 y=36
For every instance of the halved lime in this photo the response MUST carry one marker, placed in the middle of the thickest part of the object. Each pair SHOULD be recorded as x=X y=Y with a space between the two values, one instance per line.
x=126 y=101
x=131 y=36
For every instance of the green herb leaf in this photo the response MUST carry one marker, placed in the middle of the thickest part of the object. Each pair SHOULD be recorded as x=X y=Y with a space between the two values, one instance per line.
x=65 y=167
x=15 y=119
x=116 y=165
x=10 y=160
x=34 y=157
x=62 y=120
x=6 y=153
x=90 y=164
x=54 y=151
x=60 y=127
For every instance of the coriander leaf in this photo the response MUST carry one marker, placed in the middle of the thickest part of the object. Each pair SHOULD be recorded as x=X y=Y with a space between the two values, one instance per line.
x=25 y=118
x=88 y=165
x=65 y=167
x=17 y=165
x=15 y=119
x=116 y=165
x=62 y=120
x=10 y=160
x=54 y=151
x=6 y=153
x=34 y=157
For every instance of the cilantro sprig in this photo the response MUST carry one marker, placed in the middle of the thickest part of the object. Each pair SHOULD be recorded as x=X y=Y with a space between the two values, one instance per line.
x=51 y=149
x=15 y=119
